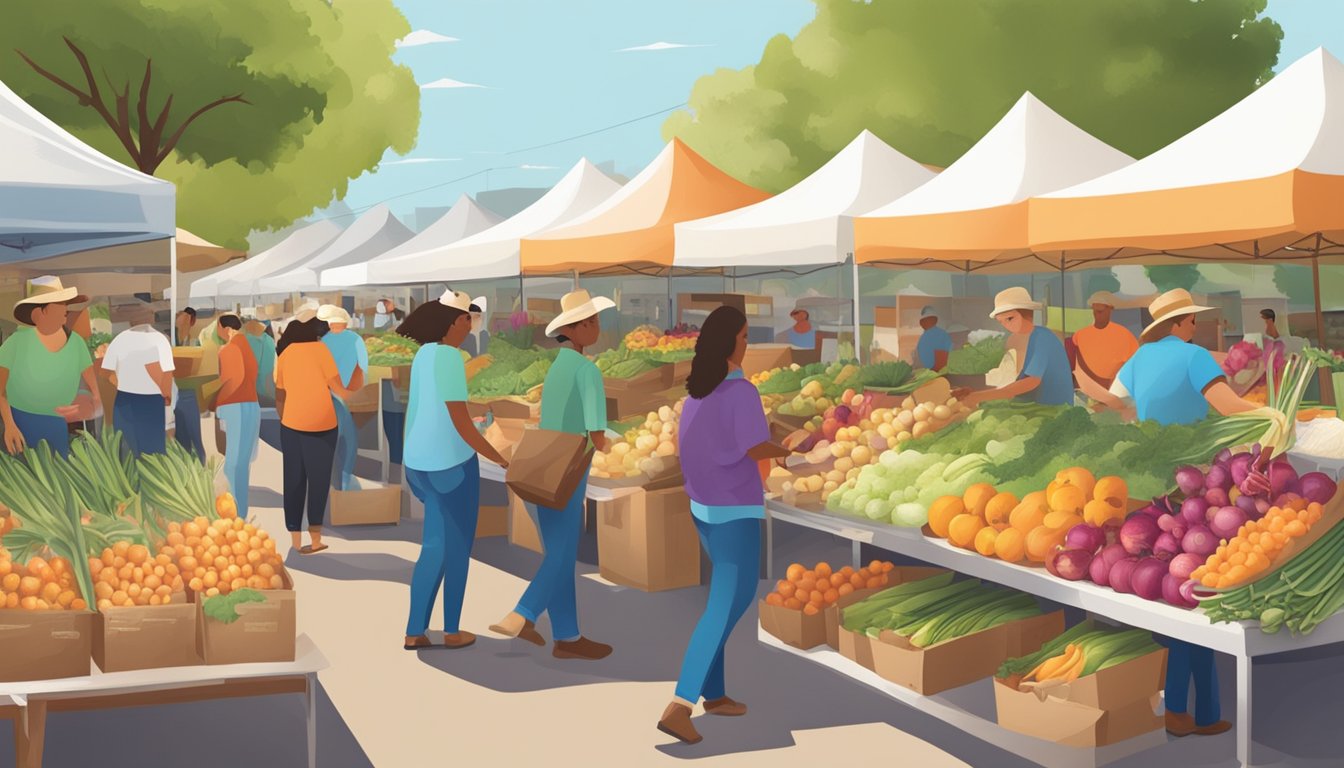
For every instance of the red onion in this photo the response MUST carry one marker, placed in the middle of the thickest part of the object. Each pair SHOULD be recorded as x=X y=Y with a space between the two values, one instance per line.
x=1120 y=574
x=1146 y=580
x=1167 y=522
x=1282 y=477
x=1219 y=478
x=1185 y=564
x=1246 y=504
x=1139 y=534
x=1217 y=497
x=1098 y=570
x=1088 y=538
x=1239 y=467
x=1194 y=509
x=1227 y=521
x=1166 y=547
x=1171 y=591
x=1070 y=564
x=1199 y=540
x=1113 y=553
x=1190 y=480
x=1317 y=487
x=1188 y=592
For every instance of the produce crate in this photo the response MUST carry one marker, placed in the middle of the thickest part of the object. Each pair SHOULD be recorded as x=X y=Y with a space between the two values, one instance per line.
x=681 y=371
x=146 y=637
x=901 y=574
x=264 y=632
x=629 y=403
x=669 y=477
x=765 y=357
x=659 y=377
x=365 y=400
x=855 y=646
x=506 y=408
x=1103 y=708
x=492 y=521
x=793 y=627
x=366 y=506
x=44 y=645
x=186 y=361
x=648 y=541
x=961 y=660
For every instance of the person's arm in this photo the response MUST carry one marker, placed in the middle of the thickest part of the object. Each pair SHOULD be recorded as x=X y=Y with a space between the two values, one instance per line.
x=593 y=397
x=166 y=367
x=13 y=437
x=450 y=388
x=230 y=371
x=1225 y=401
x=473 y=437
x=164 y=380
x=1020 y=387
x=939 y=359
x=1093 y=389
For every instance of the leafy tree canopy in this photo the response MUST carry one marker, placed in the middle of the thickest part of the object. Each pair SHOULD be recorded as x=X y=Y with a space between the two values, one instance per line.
x=1172 y=276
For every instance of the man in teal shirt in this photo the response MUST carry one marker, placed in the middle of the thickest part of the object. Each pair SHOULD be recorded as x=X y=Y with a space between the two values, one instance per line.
x=935 y=343
x=1045 y=375
x=352 y=362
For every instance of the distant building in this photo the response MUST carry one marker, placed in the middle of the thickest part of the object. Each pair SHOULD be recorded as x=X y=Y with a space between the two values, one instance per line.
x=426 y=216
x=507 y=202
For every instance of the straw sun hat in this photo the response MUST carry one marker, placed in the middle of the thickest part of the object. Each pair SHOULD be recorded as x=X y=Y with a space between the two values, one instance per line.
x=1011 y=299
x=48 y=289
x=330 y=313
x=456 y=300
x=1174 y=303
x=575 y=307
x=1105 y=298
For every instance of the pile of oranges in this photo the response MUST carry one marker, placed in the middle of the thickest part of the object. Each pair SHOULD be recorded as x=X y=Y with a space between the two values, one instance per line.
x=127 y=575
x=41 y=585
x=812 y=590
x=229 y=554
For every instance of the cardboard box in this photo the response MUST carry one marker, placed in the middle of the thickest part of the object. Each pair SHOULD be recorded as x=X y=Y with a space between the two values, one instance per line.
x=681 y=371
x=492 y=521
x=962 y=660
x=628 y=403
x=1103 y=708
x=648 y=541
x=793 y=627
x=44 y=645
x=522 y=529
x=368 y=506
x=506 y=408
x=901 y=574
x=886 y=317
x=146 y=637
x=263 y=632
x=855 y=646
x=765 y=357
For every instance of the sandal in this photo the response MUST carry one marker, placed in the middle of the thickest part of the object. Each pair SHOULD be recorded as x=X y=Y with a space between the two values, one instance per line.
x=309 y=550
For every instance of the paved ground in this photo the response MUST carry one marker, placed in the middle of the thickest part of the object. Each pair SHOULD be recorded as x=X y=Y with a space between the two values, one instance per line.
x=507 y=703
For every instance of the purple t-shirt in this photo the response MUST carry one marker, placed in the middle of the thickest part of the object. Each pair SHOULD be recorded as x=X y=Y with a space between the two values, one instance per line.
x=714 y=436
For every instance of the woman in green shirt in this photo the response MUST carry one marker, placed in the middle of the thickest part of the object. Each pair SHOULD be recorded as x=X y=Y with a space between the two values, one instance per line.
x=572 y=401
x=41 y=366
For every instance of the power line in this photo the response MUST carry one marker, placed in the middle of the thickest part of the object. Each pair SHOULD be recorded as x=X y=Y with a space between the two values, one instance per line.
x=622 y=124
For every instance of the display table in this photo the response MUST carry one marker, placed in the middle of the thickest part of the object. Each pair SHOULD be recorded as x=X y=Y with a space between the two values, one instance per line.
x=1244 y=641
x=28 y=703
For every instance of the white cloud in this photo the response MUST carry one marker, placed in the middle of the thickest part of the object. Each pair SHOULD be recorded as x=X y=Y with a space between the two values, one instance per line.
x=419 y=160
x=661 y=46
x=531 y=167
x=424 y=37
x=447 y=82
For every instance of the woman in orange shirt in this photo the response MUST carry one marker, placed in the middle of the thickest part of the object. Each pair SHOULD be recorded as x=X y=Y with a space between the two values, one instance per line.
x=305 y=378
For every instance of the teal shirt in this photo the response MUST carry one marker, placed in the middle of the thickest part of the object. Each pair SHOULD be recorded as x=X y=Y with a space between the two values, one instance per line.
x=432 y=443
x=1167 y=379
x=40 y=381
x=1047 y=361
x=349 y=352
x=933 y=340
x=573 y=399
x=263 y=348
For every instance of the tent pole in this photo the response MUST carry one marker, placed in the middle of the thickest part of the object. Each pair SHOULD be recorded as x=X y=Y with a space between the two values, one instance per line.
x=1327 y=390
x=858 y=353
x=1063 y=299
x=172 y=283
x=576 y=279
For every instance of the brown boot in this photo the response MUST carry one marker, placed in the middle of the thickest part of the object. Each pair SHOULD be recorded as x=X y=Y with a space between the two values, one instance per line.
x=459 y=639
x=515 y=626
x=676 y=723
x=1180 y=724
x=725 y=707
x=583 y=648
x=1213 y=729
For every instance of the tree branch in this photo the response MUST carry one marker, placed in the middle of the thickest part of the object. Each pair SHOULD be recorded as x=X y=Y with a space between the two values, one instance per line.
x=161 y=122
x=148 y=142
x=181 y=129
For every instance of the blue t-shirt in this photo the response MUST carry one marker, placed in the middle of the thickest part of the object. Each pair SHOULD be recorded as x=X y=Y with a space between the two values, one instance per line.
x=1167 y=379
x=1047 y=361
x=933 y=340
x=348 y=350
x=806 y=340
x=438 y=376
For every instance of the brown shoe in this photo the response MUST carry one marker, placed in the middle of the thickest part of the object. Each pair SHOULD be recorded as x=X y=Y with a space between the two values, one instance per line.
x=725 y=707
x=458 y=640
x=515 y=626
x=583 y=648
x=1213 y=729
x=1180 y=724
x=416 y=643
x=676 y=723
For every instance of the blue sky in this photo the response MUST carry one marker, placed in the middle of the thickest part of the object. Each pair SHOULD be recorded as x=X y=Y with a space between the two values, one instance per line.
x=551 y=69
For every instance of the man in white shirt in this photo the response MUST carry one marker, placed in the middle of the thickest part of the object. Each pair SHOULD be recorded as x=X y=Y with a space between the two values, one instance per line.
x=140 y=363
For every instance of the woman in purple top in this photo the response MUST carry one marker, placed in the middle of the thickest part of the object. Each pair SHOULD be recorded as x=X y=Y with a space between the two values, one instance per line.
x=723 y=435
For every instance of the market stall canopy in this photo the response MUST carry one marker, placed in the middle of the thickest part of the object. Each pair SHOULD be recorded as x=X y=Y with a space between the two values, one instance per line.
x=1265 y=176
x=973 y=216
x=424 y=258
x=195 y=254
x=811 y=222
x=375 y=232
x=242 y=279
x=58 y=195
x=634 y=227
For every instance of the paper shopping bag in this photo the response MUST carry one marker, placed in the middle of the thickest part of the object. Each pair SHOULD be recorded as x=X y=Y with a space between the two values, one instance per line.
x=547 y=466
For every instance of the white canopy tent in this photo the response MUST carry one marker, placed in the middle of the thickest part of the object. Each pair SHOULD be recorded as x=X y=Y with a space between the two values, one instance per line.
x=242 y=280
x=428 y=257
x=375 y=232
x=808 y=224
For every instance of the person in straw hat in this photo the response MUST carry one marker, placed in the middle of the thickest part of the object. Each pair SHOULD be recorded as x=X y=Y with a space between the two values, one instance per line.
x=352 y=360
x=41 y=367
x=574 y=401
x=1044 y=375
x=478 y=343
x=442 y=468
x=1103 y=346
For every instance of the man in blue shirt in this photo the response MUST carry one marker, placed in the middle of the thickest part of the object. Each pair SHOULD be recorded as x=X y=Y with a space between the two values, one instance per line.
x=802 y=335
x=1045 y=375
x=935 y=343
x=352 y=362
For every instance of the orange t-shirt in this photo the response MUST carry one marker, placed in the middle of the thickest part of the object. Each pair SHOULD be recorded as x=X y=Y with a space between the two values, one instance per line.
x=237 y=363
x=304 y=372
x=1103 y=351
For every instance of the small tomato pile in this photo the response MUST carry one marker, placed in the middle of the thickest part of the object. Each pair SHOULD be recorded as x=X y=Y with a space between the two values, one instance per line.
x=810 y=590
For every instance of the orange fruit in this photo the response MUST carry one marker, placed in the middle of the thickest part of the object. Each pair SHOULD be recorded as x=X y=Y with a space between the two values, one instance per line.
x=1056 y=521
x=1068 y=498
x=1098 y=512
x=1111 y=489
x=795 y=572
x=984 y=540
x=1080 y=478
x=1043 y=541
x=999 y=510
x=1028 y=514
x=977 y=497
x=1010 y=545
x=941 y=513
x=774 y=599
x=823 y=571
x=963 y=529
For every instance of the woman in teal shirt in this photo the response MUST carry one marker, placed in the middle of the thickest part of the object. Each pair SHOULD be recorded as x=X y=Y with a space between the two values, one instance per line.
x=572 y=401
x=441 y=465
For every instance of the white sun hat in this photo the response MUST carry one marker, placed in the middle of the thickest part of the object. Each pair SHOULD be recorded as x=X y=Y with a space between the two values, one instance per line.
x=479 y=301
x=576 y=306
x=1103 y=297
x=330 y=313
x=1013 y=298
x=456 y=300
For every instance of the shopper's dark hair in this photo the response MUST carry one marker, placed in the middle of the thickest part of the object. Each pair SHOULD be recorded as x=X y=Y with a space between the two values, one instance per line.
x=429 y=322
x=298 y=333
x=231 y=321
x=191 y=312
x=718 y=339
x=1268 y=314
x=24 y=312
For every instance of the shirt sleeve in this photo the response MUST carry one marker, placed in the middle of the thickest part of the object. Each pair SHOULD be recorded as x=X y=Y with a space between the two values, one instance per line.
x=1036 y=362
x=450 y=375
x=165 y=351
x=1123 y=386
x=361 y=353
x=7 y=352
x=1204 y=370
x=593 y=396
x=944 y=342
x=112 y=355
x=280 y=373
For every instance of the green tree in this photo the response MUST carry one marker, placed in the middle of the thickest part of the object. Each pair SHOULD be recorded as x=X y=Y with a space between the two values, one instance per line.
x=1171 y=276
x=1294 y=282
x=930 y=77
x=259 y=111
x=1102 y=280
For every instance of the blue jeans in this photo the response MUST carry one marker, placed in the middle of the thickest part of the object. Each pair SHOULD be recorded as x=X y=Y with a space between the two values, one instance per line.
x=735 y=550
x=242 y=429
x=347 y=446
x=187 y=415
x=552 y=589
x=1186 y=661
x=36 y=427
x=452 y=504
x=139 y=418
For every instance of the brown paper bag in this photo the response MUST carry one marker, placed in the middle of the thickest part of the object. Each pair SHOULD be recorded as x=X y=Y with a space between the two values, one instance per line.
x=547 y=466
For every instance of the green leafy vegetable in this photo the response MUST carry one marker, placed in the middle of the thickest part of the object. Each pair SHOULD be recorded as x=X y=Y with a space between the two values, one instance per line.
x=224 y=608
x=976 y=359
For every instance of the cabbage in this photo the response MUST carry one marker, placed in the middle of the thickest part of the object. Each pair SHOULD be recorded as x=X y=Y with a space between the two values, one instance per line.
x=910 y=515
x=877 y=509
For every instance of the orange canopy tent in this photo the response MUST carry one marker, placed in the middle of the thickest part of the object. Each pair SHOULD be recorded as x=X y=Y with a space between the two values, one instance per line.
x=634 y=228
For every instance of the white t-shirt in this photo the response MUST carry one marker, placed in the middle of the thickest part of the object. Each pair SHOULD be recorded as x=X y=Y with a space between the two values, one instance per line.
x=130 y=352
